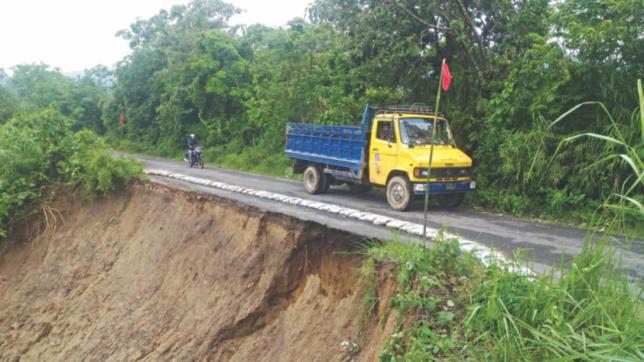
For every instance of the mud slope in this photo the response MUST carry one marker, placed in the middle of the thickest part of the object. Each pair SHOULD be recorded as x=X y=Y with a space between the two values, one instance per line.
x=161 y=274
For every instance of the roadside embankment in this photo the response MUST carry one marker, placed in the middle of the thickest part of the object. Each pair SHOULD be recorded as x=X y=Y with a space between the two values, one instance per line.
x=156 y=273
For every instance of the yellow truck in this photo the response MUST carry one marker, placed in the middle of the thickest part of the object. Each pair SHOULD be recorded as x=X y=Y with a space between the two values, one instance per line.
x=390 y=148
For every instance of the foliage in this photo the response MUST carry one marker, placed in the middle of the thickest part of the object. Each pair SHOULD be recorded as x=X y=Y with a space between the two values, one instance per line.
x=429 y=299
x=8 y=104
x=91 y=167
x=39 y=149
x=452 y=308
x=28 y=147
x=36 y=86
x=624 y=148
x=253 y=159
x=517 y=66
x=588 y=314
x=182 y=77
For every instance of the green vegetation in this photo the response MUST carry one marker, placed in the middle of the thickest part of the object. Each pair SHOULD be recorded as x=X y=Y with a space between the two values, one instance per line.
x=542 y=98
x=39 y=151
x=37 y=86
x=451 y=307
x=625 y=204
x=517 y=66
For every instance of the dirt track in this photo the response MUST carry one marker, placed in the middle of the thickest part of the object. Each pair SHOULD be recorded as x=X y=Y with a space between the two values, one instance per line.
x=160 y=274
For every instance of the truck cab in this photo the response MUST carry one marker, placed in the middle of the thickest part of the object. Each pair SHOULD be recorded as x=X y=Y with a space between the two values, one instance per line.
x=391 y=148
x=399 y=151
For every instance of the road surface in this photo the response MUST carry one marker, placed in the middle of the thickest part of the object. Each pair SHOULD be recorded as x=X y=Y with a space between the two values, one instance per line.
x=545 y=244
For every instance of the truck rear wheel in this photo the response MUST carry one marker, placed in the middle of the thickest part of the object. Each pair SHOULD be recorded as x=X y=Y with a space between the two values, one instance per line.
x=315 y=181
x=399 y=193
x=328 y=180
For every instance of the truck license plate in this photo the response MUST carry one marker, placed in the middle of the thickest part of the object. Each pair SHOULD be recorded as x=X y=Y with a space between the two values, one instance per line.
x=450 y=187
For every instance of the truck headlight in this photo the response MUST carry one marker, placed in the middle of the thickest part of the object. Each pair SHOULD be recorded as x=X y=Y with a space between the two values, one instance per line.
x=420 y=172
x=419 y=187
x=472 y=185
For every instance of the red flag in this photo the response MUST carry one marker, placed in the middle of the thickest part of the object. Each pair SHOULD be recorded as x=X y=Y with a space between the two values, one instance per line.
x=447 y=77
x=121 y=119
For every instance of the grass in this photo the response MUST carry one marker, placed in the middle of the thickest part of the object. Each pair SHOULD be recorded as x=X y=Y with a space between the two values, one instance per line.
x=534 y=210
x=451 y=307
x=254 y=159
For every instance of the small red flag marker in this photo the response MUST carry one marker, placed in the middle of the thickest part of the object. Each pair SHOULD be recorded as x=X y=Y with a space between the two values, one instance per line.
x=447 y=77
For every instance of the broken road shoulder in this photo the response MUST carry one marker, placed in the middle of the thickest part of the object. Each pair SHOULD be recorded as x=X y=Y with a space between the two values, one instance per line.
x=485 y=254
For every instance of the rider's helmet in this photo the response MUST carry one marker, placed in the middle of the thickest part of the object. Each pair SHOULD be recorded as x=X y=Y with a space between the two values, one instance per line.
x=192 y=135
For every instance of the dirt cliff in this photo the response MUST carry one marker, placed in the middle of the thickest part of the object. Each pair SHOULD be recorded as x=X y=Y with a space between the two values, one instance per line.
x=161 y=274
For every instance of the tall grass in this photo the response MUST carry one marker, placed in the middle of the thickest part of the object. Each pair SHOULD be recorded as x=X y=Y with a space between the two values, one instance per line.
x=625 y=148
x=583 y=178
x=453 y=308
x=589 y=314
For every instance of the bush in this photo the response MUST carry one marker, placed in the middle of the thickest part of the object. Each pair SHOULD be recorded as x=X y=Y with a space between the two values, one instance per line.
x=93 y=168
x=589 y=314
x=451 y=307
x=39 y=149
x=259 y=158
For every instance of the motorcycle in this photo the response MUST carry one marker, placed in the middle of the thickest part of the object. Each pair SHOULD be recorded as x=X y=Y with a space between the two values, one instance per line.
x=195 y=158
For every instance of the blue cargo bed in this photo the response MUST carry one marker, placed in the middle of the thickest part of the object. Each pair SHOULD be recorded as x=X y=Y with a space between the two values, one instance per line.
x=340 y=146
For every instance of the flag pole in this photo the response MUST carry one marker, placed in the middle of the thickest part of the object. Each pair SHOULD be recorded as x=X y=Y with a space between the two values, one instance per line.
x=431 y=150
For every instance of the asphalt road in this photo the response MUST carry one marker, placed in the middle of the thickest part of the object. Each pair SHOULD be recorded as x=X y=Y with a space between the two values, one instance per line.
x=545 y=244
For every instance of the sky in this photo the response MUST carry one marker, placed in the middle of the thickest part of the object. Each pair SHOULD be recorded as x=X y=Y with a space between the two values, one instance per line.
x=74 y=35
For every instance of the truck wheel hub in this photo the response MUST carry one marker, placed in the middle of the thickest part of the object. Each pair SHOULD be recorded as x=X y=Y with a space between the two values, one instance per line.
x=397 y=193
x=310 y=179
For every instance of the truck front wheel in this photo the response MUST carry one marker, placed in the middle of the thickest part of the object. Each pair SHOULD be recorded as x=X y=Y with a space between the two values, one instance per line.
x=399 y=193
x=315 y=181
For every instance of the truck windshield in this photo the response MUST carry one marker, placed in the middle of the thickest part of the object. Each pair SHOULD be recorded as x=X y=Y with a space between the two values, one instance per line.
x=418 y=131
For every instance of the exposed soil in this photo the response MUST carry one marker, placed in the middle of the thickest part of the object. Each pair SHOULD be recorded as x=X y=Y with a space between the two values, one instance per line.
x=161 y=274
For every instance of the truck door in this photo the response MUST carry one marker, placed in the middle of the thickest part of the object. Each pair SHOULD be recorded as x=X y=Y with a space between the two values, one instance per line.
x=384 y=151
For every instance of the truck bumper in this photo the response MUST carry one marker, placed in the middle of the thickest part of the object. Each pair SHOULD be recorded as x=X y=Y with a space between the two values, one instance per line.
x=444 y=187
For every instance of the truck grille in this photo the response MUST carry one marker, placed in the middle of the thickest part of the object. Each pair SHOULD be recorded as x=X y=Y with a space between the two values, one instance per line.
x=451 y=172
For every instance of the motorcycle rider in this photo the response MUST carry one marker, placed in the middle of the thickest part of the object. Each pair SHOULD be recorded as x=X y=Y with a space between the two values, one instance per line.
x=190 y=145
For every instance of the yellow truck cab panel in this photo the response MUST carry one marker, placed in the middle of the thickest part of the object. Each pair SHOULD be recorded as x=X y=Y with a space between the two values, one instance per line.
x=390 y=151
x=383 y=151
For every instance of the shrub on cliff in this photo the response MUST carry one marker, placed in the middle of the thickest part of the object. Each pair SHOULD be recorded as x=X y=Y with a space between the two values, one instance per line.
x=39 y=149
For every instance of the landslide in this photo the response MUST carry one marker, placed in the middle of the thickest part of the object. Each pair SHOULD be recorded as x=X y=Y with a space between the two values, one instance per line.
x=161 y=274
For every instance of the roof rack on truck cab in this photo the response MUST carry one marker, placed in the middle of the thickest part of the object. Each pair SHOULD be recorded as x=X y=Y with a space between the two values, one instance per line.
x=416 y=108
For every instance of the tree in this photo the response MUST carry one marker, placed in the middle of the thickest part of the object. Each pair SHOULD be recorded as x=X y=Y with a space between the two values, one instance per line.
x=151 y=90
x=39 y=86
x=9 y=104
